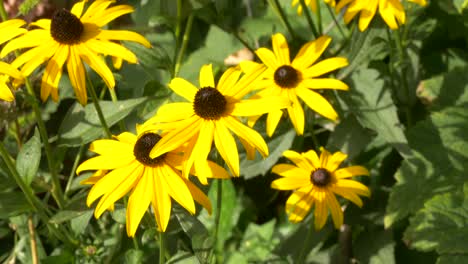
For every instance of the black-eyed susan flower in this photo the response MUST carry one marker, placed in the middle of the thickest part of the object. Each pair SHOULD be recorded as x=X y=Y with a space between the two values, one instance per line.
x=298 y=78
x=8 y=30
x=391 y=11
x=70 y=38
x=315 y=182
x=311 y=3
x=124 y=166
x=211 y=115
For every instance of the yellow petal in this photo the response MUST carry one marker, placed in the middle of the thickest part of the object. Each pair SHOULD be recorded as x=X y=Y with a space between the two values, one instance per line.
x=325 y=83
x=355 y=186
x=296 y=113
x=290 y=183
x=298 y=159
x=110 y=14
x=198 y=195
x=107 y=162
x=335 y=209
x=77 y=8
x=33 y=38
x=246 y=133
x=111 y=147
x=173 y=112
x=10 y=33
x=310 y=52
x=253 y=107
x=324 y=156
x=280 y=48
x=268 y=58
x=161 y=202
x=335 y=160
x=325 y=66
x=76 y=72
x=127 y=137
x=228 y=79
x=206 y=76
x=123 y=35
x=9 y=70
x=95 y=9
x=313 y=158
x=5 y=92
x=139 y=201
x=97 y=64
x=246 y=83
x=42 y=23
x=366 y=16
x=273 y=119
x=112 y=49
x=321 y=211
x=299 y=204
x=53 y=73
x=350 y=172
x=348 y=194
x=227 y=147
x=201 y=149
x=177 y=188
x=317 y=103
x=183 y=88
x=291 y=171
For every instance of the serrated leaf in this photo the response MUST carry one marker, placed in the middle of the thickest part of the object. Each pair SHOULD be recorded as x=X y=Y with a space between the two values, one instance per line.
x=79 y=223
x=81 y=124
x=66 y=215
x=438 y=163
x=371 y=102
x=441 y=224
x=29 y=157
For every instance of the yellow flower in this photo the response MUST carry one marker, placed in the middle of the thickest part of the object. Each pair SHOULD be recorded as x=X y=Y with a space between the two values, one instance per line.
x=211 y=115
x=391 y=11
x=297 y=79
x=315 y=181
x=311 y=3
x=124 y=166
x=70 y=38
x=9 y=30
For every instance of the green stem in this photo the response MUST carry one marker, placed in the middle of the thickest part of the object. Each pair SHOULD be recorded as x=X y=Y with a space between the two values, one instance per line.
x=319 y=17
x=337 y=23
x=301 y=257
x=277 y=7
x=115 y=100
x=404 y=79
x=243 y=41
x=3 y=12
x=36 y=205
x=95 y=99
x=306 y=11
x=314 y=138
x=56 y=191
x=162 y=248
x=72 y=172
x=219 y=195
x=185 y=40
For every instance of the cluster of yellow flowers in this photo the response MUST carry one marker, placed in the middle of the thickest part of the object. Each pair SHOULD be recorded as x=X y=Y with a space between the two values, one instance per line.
x=154 y=164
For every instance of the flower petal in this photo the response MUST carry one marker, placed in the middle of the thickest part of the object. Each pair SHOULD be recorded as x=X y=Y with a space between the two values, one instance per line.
x=355 y=186
x=198 y=195
x=174 y=112
x=317 y=103
x=325 y=83
x=161 y=201
x=183 y=88
x=335 y=209
x=53 y=73
x=268 y=58
x=76 y=72
x=321 y=210
x=280 y=48
x=291 y=171
x=111 y=49
x=296 y=113
x=246 y=133
x=273 y=119
x=201 y=150
x=228 y=79
x=106 y=162
x=290 y=183
x=299 y=204
x=227 y=148
x=111 y=147
x=206 y=76
x=97 y=64
x=123 y=35
x=335 y=160
x=177 y=188
x=313 y=158
x=299 y=160
x=349 y=172
x=325 y=66
x=139 y=201
x=310 y=52
x=253 y=107
x=348 y=194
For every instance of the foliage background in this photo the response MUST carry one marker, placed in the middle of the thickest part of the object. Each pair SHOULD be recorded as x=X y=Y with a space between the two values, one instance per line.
x=418 y=211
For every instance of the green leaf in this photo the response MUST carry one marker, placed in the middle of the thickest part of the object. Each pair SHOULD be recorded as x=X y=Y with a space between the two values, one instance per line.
x=375 y=247
x=276 y=145
x=258 y=242
x=441 y=224
x=438 y=163
x=27 y=6
x=134 y=256
x=13 y=203
x=67 y=215
x=81 y=124
x=371 y=102
x=183 y=258
x=29 y=157
x=79 y=223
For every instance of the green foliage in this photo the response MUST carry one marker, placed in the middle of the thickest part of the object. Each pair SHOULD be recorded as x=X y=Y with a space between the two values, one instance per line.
x=29 y=157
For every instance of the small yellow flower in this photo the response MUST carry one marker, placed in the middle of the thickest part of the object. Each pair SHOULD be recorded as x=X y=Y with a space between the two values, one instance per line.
x=9 y=30
x=298 y=78
x=124 y=166
x=70 y=38
x=311 y=3
x=315 y=181
x=210 y=115
x=391 y=11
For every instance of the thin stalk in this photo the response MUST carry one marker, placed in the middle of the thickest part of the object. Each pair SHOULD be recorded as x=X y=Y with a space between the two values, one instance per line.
x=114 y=98
x=3 y=12
x=162 y=248
x=337 y=23
x=72 y=172
x=219 y=195
x=178 y=28
x=185 y=40
x=404 y=79
x=243 y=41
x=56 y=191
x=277 y=7
x=302 y=254
x=306 y=11
x=319 y=17
x=95 y=99
x=32 y=240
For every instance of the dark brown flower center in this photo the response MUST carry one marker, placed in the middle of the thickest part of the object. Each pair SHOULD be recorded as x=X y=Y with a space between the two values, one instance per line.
x=320 y=177
x=143 y=147
x=65 y=27
x=209 y=103
x=287 y=77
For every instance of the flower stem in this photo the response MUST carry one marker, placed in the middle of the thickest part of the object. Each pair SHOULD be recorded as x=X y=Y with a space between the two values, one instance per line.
x=72 y=172
x=319 y=17
x=114 y=98
x=337 y=23
x=277 y=7
x=302 y=254
x=185 y=39
x=56 y=191
x=95 y=99
x=404 y=79
x=162 y=248
x=32 y=240
x=3 y=12
x=306 y=11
